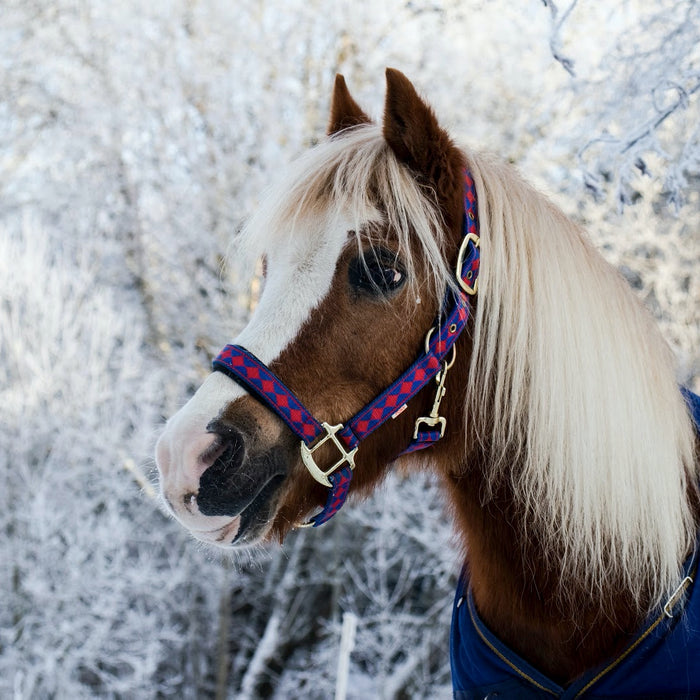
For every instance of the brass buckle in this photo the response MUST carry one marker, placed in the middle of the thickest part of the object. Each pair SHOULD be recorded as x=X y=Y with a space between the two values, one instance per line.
x=431 y=422
x=346 y=457
x=469 y=285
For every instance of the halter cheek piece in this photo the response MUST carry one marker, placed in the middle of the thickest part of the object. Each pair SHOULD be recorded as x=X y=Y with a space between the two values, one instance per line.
x=246 y=369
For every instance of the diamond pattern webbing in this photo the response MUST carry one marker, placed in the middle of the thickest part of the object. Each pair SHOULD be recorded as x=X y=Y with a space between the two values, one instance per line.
x=340 y=481
x=470 y=264
x=246 y=369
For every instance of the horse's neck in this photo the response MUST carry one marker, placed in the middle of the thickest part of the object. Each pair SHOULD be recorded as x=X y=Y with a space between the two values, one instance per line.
x=609 y=349
x=517 y=589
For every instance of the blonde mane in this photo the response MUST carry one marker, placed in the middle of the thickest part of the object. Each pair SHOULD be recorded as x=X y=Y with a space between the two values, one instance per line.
x=571 y=385
x=580 y=390
x=352 y=177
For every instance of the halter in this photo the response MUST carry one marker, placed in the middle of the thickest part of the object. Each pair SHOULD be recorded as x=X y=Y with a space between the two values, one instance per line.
x=248 y=371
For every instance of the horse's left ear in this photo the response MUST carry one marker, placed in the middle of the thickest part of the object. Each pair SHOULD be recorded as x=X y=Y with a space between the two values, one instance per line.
x=345 y=112
x=412 y=131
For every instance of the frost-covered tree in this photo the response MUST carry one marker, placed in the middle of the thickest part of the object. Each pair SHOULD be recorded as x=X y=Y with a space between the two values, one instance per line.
x=640 y=77
x=134 y=140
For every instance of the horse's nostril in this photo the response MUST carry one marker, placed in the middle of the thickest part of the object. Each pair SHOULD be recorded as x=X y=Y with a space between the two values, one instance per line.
x=227 y=443
x=227 y=450
x=212 y=453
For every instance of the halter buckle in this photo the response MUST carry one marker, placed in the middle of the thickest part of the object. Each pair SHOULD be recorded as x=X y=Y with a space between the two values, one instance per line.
x=431 y=422
x=346 y=457
x=435 y=419
x=470 y=284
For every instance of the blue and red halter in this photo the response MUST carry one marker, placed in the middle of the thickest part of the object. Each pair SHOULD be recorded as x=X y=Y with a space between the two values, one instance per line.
x=246 y=369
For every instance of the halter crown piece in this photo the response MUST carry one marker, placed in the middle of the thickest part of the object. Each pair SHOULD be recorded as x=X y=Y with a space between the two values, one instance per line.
x=246 y=369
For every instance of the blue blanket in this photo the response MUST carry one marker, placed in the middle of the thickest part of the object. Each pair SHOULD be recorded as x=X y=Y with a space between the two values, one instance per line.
x=663 y=661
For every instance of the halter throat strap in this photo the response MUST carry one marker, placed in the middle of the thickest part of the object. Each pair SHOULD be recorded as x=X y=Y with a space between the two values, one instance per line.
x=247 y=370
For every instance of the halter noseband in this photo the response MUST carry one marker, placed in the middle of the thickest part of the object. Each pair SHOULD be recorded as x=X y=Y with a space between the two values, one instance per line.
x=248 y=371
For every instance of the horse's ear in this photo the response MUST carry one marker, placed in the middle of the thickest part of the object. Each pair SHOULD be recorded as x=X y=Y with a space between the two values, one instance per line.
x=345 y=112
x=411 y=129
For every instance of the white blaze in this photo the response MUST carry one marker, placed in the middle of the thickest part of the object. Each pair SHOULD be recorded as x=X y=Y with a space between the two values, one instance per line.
x=300 y=271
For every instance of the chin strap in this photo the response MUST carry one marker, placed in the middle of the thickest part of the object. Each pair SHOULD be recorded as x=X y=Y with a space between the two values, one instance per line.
x=246 y=369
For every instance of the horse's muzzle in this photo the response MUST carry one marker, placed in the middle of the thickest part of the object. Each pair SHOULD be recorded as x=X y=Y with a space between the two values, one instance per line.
x=225 y=485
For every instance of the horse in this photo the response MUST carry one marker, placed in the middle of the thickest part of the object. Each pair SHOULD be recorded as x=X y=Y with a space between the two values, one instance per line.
x=424 y=306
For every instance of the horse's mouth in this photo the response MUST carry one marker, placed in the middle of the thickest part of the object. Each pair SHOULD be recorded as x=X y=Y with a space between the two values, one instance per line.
x=244 y=488
x=251 y=524
x=256 y=516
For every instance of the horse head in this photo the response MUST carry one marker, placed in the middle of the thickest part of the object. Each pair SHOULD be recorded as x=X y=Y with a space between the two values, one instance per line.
x=359 y=238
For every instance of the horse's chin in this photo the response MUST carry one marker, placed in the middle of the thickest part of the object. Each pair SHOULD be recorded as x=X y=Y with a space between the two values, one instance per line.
x=223 y=536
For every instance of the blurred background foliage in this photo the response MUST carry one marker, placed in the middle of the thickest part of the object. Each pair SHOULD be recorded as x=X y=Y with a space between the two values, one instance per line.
x=134 y=140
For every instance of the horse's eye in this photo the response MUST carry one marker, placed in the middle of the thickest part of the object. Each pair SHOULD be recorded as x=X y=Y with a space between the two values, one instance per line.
x=376 y=272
